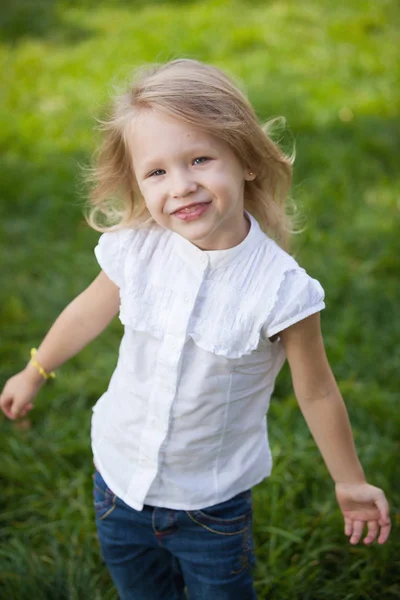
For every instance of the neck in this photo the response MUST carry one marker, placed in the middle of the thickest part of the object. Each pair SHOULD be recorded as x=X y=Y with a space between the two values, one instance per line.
x=229 y=238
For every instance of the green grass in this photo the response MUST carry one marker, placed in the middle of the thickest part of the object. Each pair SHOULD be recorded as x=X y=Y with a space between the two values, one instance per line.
x=332 y=70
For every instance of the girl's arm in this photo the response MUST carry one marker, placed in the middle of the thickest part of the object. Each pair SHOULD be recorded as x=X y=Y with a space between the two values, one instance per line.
x=325 y=413
x=79 y=323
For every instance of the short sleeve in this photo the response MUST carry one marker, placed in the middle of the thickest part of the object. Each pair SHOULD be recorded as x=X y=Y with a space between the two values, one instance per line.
x=110 y=253
x=298 y=297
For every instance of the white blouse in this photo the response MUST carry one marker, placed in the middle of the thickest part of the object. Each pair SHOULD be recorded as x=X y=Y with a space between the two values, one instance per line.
x=183 y=422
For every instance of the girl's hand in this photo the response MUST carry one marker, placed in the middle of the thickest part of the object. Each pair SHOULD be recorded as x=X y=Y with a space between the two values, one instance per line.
x=16 y=399
x=364 y=505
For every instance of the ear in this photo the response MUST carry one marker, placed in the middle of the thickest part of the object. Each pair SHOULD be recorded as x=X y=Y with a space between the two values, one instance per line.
x=249 y=175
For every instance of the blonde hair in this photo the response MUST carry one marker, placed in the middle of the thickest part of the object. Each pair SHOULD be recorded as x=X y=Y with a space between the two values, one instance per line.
x=205 y=98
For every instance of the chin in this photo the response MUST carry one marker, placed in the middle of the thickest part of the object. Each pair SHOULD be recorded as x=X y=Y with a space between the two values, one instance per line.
x=196 y=234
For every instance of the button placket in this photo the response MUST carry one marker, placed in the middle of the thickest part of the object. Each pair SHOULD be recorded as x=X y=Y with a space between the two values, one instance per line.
x=142 y=481
x=158 y=423
x=165 y=380
x=204 y=261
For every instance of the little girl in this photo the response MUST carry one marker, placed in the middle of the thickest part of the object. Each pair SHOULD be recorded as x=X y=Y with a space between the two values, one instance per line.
x=190 y=194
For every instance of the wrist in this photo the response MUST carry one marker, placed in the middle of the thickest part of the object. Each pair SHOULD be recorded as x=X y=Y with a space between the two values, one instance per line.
x=355 y=480
x=39 y=367
x=33 y=376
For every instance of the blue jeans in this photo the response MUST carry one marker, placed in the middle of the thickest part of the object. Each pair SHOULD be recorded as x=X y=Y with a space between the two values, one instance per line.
x=156 y=553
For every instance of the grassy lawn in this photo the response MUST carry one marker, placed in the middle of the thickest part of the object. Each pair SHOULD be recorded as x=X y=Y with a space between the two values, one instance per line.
x=332 y=70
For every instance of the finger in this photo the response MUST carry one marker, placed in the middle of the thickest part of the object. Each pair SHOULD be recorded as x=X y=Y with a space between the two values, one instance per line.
x=358 y=527
x=18 y=407
x=16 y=410
x=383 y=506
x=385 y=531
x=7 y=407
x=4 y=402
x=348 y=526
x=373 y=529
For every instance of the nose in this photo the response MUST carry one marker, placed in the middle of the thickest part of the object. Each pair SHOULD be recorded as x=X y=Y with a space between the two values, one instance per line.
x=182 y=184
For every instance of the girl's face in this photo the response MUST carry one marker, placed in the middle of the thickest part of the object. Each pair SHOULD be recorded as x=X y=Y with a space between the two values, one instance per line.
x=191 y=181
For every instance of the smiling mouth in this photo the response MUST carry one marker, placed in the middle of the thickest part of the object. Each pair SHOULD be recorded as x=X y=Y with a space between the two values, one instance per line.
x=189 y=208
x=191 y=212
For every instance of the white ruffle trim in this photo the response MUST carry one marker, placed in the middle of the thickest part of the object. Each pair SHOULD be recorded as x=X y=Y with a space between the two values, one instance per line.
x=238 y=306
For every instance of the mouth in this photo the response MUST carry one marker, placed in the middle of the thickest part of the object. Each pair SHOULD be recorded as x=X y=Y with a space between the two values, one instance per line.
x=190 y=207
x=190 y=212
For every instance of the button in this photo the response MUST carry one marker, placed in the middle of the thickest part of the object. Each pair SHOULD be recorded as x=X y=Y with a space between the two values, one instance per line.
x=159 y=425
x=186 y=298
x=174 y=345
x=168 y=388
x=155 y=421
x=204 y=259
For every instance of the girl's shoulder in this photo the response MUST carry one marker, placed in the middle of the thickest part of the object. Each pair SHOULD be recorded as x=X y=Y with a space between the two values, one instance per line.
x=114 y=247
x=271 y=262
x=292 y=292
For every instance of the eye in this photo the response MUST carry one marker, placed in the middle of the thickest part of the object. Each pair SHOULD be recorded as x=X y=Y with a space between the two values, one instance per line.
x=200 y=160
x=156 y=173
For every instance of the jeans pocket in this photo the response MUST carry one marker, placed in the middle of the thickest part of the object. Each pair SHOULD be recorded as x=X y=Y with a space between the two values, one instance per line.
x=105 y=501
x=226 y=518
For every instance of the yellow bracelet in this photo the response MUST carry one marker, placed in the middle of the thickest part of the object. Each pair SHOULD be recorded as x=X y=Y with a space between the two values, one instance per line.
x=39 y=367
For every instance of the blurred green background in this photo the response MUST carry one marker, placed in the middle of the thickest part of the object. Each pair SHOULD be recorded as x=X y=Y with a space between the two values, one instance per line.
x=332 y=69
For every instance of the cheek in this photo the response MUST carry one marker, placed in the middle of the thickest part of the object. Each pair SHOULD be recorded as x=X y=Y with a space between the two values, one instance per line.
x=227 y=185
x=218 y=181
x=152 y=199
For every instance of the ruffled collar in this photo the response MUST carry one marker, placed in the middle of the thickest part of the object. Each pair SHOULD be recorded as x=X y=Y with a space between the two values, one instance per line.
x=216 y=259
